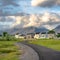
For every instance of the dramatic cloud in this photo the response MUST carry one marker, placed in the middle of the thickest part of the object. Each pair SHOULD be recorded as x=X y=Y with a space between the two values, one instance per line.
x=45 y=3
x=33 y=21
x=17 y=20
x=26 y=13
x=8 y=2
x=6 y=21
x=8 y=7
x=47 y=19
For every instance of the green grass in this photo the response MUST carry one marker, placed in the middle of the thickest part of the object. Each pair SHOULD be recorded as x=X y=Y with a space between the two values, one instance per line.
x=50 y=43
x=8 y=50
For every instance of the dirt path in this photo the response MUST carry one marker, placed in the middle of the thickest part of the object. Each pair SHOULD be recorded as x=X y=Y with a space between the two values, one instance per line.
x=28 y=53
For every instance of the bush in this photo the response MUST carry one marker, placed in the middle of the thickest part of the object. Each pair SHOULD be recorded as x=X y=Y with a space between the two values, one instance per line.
x=8 y=38
x=7 y=50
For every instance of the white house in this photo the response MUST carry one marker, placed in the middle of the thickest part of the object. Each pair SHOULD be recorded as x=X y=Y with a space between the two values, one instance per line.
x=37 y=36
x=40 y=35
x=20 y=36
x=16 y=36
x=44 y=35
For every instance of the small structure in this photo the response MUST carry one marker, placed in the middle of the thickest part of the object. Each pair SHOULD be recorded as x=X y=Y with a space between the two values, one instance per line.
x=43 y=35
x=37 y=35
x=50 y=35
x=20 y=36
x=40 y=35
x=29 y=36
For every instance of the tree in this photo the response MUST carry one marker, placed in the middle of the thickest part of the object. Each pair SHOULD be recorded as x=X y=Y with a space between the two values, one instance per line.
x=58 y=35
x=51 y=32
x=5 y=34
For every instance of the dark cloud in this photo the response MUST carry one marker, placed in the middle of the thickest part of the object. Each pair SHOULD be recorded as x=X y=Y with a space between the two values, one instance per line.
x=48 y=3
x=8 y=2
x=7 y=19
x=1 y=12
x=45 y=3
x=8 y=7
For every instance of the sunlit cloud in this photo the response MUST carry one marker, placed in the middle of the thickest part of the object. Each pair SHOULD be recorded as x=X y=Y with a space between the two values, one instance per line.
x=49 y=20
x=45 y=3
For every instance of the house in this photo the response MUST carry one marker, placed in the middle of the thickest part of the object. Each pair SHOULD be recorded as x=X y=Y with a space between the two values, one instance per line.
x=37 y=35
x=47 y=35
x=29 y=36
x=43 y=35
x=20 y=36
x=40 y=35
x=50 y=35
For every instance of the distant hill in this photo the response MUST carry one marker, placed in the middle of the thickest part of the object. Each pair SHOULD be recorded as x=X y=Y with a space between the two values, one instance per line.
x=41 y=29
x=57 y=29
x=27 y=30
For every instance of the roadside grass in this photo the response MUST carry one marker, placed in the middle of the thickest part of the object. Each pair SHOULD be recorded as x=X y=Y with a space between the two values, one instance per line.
x=9 y=51
x=50 y=43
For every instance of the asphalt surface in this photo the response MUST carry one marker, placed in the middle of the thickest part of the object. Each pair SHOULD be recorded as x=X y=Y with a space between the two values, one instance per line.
x=44 y=53
x=28 y=52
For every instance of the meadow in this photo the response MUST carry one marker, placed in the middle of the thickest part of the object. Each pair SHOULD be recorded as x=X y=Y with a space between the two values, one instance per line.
x=9 y=51
x=49 y=43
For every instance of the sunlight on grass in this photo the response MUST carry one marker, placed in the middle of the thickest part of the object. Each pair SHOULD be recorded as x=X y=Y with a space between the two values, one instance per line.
x=8 y=50
x=50 y=43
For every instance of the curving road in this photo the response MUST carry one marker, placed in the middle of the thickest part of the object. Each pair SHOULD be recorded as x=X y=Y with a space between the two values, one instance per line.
x=28 y=52
x=44 y=53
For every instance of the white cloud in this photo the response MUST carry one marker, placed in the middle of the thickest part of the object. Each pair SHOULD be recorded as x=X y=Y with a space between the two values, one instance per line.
x=45 y=17
x=36 y=2
x=33 y=21
x=17 y=20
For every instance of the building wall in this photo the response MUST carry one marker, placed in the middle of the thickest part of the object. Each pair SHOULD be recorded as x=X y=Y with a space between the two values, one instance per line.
x=21 y=37
x=43 y=35
x=51 y=35
x=28 y=36
x=37 y=36
x=17 y=36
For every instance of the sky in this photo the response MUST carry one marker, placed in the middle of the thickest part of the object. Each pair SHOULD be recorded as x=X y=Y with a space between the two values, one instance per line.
x=32 y=7
x=29 y=6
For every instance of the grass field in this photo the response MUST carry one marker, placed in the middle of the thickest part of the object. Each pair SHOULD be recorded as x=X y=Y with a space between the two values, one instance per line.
x=8 y=50
x=50 y=43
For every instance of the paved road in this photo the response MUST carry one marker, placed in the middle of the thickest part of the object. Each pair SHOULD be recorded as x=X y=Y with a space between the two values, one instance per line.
x=44 y=53
x=28 y=53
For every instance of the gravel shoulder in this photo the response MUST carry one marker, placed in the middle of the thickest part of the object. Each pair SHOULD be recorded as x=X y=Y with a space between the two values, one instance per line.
x=28 y=52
